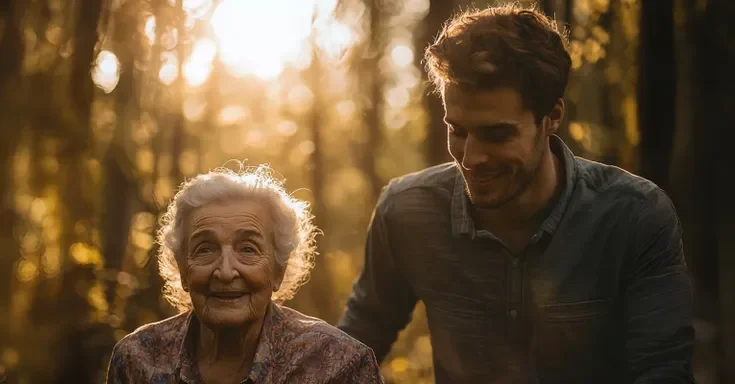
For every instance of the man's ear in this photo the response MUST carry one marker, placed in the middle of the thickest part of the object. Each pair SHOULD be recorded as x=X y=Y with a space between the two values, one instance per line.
x=554 y=118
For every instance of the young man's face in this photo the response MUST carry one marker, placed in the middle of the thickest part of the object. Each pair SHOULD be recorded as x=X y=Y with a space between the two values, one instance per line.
x=494 y=141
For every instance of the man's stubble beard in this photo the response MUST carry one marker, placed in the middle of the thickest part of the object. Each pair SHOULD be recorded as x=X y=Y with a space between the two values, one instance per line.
x=539 y=154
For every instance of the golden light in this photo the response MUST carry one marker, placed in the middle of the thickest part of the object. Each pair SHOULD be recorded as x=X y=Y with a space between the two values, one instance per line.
x=145 y=160
x=169 y=68
x=199 y=65
x=106 y=72
x=150 y=29
x=188 y=163
x=142 y=240
x=26 y=271
x=346 y=109
x=85 y=254
x=51 y=261
x=402 y=55
x=300 y=98
x=254 y=138
x=258 y=38
x=197 y=8
x=397 y=97
x=576 y=131
x=194 y=109
x=287 y=127
x=231 y=114
x=399 y=365
x=334 y=38
x=306 y=147
x=418 y=7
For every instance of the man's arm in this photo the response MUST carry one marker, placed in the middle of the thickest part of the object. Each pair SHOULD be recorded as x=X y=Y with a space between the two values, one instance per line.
x=382 y=300
x=658 y=298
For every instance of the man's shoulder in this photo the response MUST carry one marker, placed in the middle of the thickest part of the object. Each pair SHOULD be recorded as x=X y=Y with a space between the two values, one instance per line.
x=609 y=179
x=624 y=190
x=437 y=177
x=429 y=186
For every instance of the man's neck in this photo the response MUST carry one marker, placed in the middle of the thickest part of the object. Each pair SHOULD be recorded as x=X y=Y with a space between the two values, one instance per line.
x=526 y=212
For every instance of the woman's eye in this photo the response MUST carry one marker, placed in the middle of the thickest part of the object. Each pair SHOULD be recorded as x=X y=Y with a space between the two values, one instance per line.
x=248 y=249
x=204 y=249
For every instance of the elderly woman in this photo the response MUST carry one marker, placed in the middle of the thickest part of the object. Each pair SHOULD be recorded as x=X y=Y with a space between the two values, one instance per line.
x=232 y=246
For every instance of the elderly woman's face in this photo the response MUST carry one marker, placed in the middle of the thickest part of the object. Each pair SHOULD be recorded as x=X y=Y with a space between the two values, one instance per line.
x=229 y=267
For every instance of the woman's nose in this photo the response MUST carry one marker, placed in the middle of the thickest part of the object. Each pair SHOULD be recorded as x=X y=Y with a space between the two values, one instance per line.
x=226 y=269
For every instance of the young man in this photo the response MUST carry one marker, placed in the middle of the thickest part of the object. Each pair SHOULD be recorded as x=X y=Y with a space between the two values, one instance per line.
x=534 y=265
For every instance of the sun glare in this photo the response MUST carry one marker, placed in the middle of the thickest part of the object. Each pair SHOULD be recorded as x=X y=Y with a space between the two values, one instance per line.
x=197 y=8
x=198 y=67
x=169 y=68
x=106 y=71
x=251 y=38
x=150 y=29
x=262 y=38
x=334 y=38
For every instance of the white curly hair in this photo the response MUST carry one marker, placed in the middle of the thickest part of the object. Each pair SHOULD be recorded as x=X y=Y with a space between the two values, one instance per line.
x=294 y=237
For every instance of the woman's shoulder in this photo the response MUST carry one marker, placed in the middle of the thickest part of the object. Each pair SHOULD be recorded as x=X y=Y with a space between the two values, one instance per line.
x=310 y=350
x=154 y=339
x=317 y=333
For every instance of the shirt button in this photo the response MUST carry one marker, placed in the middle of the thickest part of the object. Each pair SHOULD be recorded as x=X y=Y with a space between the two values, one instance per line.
x=513 y=313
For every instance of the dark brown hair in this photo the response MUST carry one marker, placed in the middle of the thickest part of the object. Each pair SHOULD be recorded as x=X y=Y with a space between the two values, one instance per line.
x=503 y=46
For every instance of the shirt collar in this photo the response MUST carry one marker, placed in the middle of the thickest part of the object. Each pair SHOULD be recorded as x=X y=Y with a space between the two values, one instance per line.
x=462 y=223
x=259 y=371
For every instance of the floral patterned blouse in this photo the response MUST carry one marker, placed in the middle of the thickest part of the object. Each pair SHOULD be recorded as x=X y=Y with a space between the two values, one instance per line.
x=293 y=348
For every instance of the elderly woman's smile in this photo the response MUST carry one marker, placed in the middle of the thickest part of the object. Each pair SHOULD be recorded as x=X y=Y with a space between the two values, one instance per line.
x=231 y=270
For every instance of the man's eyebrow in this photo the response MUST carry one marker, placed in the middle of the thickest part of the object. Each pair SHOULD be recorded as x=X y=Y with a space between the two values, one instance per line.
x=499 y=125
x=494 y=124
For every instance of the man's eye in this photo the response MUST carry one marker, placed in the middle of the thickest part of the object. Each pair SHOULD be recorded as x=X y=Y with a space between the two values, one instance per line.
x=456 y=131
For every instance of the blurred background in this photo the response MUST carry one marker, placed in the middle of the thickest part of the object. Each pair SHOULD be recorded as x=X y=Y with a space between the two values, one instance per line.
x=107 y=105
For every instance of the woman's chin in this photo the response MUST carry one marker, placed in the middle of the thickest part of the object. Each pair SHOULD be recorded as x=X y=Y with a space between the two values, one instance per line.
x=229 y=313
x=228 y=318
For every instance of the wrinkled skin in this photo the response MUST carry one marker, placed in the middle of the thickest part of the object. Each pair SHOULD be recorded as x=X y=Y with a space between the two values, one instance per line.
x=230 y=269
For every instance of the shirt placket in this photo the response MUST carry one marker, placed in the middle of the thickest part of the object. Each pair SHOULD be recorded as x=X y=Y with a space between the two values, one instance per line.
x=514 y=308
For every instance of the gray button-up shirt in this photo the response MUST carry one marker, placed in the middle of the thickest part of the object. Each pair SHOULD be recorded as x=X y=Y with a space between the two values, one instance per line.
x=601 y=295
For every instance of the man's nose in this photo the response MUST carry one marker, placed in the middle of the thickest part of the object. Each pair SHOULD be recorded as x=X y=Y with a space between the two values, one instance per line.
x=474 y=153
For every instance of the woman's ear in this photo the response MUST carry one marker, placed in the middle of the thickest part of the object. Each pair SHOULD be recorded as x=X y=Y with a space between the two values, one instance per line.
x=280 y=272
x=182 y=272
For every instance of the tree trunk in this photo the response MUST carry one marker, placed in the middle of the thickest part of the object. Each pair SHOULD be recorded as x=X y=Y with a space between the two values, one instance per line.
x=656 y=90
x=374 y=82
x=711 y=205
x=320 y=283
x=436 y=131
